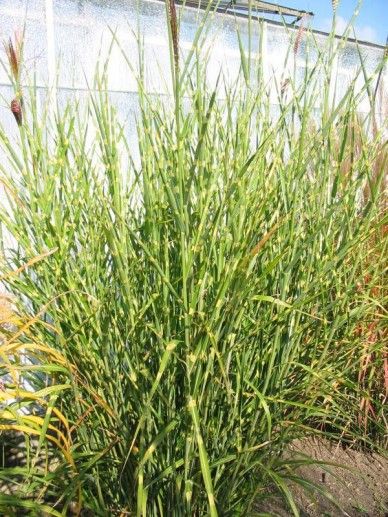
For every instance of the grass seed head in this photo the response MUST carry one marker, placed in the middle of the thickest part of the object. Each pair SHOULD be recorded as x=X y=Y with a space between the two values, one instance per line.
x=13 y=50
x=16 y=108
x=301 y=31
x=174 y=31
x=334 y=3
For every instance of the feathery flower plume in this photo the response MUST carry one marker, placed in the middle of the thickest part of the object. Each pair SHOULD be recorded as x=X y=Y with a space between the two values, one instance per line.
x=301 y=31
x=173 y=20
x=284 y=86
x=334 y=3
x=13 y=51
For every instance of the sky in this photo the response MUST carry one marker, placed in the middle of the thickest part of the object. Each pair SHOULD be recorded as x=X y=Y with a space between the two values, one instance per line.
x=371 y=23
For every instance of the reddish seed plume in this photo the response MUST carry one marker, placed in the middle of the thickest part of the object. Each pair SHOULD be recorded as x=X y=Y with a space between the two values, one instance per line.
x=16 y=108
x=13 y=51
x=13 y=60
x=284 y=86
x=173 y=19
x=301 y=31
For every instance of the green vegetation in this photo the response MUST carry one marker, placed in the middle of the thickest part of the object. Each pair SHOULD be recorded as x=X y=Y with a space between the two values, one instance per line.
x=201 y=306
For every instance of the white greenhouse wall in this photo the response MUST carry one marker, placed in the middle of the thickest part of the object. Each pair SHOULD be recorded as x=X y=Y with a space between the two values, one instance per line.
x=65 y=39
x=81 y=31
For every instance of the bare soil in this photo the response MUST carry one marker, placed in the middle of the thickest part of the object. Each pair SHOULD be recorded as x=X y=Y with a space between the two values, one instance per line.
x=357 y=484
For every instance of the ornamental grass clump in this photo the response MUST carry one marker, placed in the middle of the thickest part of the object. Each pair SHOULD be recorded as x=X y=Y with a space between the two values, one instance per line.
x=204 y=287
